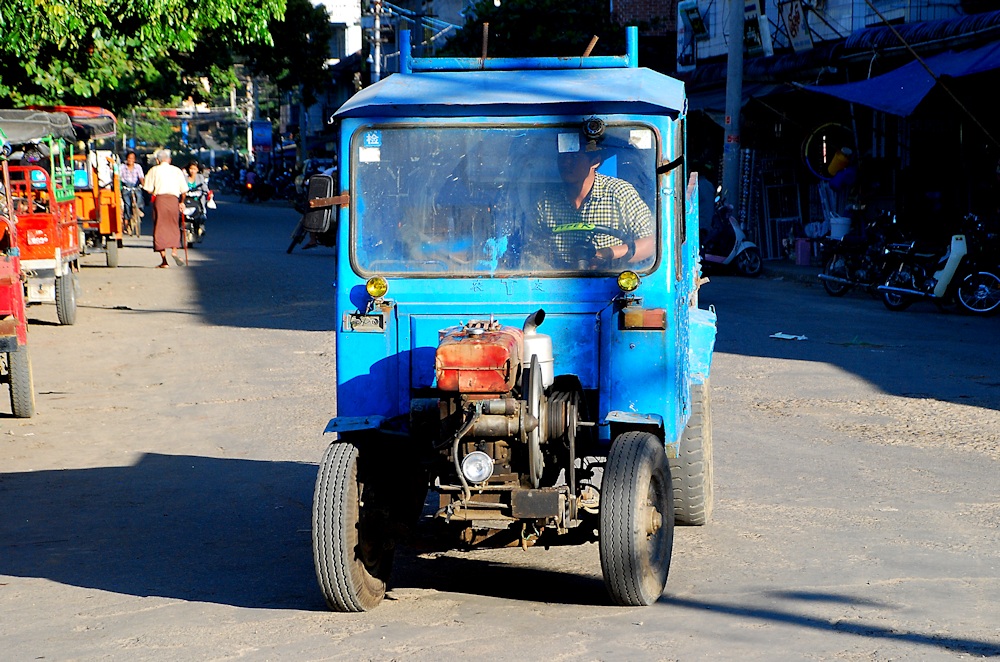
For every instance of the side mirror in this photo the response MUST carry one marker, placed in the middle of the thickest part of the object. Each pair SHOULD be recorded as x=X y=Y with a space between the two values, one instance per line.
x=319 y=219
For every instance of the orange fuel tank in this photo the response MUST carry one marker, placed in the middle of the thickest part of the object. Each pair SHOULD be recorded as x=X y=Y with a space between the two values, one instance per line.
x=480 y=357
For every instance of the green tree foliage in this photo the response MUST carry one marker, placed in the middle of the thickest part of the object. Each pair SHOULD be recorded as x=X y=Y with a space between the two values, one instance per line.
x=121 y=52
x=541 y=28
x=298 y=54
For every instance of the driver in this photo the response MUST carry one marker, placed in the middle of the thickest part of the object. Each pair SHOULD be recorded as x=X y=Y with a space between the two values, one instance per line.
x=587 y=198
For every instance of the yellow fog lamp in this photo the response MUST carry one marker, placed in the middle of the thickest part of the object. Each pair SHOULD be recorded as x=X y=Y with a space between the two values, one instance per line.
x=376 y=287
x=628 y=281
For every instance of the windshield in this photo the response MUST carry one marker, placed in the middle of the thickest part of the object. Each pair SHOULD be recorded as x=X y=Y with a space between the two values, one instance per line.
x=474 y=200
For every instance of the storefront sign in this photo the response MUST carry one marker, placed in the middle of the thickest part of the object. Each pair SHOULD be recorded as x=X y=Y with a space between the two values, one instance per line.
x=794 y=18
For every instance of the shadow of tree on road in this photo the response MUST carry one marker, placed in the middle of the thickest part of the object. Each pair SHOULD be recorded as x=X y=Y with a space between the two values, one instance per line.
x=203 y=529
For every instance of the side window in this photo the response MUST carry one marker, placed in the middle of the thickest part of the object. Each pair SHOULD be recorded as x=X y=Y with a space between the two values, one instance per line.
x=680 y=201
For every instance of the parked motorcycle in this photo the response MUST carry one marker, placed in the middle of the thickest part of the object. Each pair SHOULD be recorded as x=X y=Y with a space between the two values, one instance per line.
x=858 y=260
x=195 y=215
x=965 y=273
x=727 y=244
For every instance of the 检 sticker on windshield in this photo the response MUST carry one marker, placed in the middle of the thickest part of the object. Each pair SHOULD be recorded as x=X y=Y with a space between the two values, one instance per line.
x=370 y=150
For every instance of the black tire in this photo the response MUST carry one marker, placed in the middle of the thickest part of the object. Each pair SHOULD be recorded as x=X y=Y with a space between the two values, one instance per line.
x=66 y=298
x=692 y=471
x=836 y=266
x=895 y=301
x=112 y=249
x=352 y=561
x=636 y=520
x=22 y=388
x=749 y=262
x=979 y=293
x=298 y=234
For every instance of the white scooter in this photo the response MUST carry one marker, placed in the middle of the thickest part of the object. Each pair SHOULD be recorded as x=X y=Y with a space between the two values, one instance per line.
x=727 y=244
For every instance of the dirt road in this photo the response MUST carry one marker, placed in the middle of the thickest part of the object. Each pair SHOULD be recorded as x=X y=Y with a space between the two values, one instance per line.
x=158 y=505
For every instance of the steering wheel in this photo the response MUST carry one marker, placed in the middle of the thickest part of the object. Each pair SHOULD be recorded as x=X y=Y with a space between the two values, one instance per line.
x=593 y=229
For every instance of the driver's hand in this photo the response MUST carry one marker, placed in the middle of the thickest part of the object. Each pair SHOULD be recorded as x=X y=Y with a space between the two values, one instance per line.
x=604 y=255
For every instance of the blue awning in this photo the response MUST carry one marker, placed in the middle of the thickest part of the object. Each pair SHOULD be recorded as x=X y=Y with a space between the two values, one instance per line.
x=900 y=91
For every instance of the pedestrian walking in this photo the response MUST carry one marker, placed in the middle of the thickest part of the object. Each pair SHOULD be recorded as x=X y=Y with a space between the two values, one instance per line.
x=167 y=185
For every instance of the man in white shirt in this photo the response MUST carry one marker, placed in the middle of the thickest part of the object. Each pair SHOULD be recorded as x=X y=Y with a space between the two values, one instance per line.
x=167 y=185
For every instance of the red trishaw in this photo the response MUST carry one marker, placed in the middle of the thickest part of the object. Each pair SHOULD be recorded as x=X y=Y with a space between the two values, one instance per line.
x=16 y=362
x=41 y=185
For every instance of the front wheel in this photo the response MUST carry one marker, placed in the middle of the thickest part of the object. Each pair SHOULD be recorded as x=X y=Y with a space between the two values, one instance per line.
x=22 y=388
x=66 y=298
x=351 y=551
x=298 y=234
x=636 y=519
x=979 y=293
x=836 y=267
x=749 y=263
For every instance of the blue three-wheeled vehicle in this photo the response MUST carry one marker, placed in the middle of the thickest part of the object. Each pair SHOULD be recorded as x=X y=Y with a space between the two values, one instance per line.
x=518 y=321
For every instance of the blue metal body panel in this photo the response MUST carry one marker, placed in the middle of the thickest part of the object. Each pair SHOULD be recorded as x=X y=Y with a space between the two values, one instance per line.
x=642 y=376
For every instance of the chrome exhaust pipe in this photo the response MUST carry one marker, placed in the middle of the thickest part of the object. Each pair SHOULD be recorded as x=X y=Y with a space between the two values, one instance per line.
x=835 y=279
x=902 y=290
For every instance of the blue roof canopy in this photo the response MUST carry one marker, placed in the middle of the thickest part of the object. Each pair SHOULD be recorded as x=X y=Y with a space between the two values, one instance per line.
x=511 y=93
x=900 y=91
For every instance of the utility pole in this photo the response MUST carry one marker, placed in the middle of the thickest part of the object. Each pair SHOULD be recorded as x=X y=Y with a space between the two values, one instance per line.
x=251 y=115
x=377 y=38
x=734 y=101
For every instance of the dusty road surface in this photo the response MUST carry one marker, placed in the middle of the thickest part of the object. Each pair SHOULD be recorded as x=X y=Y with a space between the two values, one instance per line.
x=158 y=505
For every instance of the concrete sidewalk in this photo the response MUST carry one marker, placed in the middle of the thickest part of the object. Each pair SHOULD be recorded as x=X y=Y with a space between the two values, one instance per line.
x=789 y=270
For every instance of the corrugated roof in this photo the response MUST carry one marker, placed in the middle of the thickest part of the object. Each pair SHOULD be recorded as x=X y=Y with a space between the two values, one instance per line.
x=951 y=30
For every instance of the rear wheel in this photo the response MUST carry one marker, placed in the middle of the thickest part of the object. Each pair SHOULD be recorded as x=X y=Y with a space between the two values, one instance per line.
x=691 y=471
x=636 y=519
x=22 y=388
x=979 y=293
x=749 y=262
x=66 y=298
x=836 y=267
x=351 y=548
x=897 y=300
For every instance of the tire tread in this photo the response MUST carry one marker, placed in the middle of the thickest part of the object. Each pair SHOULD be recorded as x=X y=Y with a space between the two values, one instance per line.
x=691 y=471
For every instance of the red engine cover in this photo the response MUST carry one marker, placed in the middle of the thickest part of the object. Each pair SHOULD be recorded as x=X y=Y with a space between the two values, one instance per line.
x=481 y=357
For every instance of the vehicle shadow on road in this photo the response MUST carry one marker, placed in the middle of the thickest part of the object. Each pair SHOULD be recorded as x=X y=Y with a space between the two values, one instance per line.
x=859 y=628
x=227 y=531
x=479 y=577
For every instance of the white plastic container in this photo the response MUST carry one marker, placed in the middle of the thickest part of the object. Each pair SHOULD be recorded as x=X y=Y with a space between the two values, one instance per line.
x=839 y=226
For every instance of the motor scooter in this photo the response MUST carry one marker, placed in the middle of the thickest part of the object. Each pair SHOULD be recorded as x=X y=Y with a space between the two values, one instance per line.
x=727 y=244
x=195 y=215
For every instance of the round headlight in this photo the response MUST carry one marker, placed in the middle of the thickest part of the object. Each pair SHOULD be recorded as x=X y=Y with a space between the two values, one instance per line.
x=477 y=466
x=377 y=287
x=628 y=281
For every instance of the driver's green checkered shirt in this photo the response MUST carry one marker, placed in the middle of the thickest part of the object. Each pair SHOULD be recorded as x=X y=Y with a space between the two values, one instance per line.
x=612 y=202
